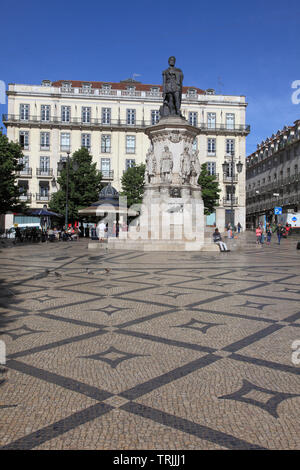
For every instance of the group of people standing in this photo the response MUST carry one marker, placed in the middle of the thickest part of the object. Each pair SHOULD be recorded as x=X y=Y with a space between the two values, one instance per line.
x=262 y=232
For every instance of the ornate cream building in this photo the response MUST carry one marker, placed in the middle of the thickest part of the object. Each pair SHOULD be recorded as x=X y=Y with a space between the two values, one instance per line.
x=109 y=119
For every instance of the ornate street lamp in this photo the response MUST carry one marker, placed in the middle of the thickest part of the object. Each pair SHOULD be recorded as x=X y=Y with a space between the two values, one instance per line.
x=239 y=168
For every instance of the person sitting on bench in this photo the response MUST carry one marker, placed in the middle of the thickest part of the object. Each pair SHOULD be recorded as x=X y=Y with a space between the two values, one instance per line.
x=218 y=240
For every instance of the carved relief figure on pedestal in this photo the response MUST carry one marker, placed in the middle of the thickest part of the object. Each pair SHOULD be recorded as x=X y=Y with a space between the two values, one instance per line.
x=185 y=165
x=166 y=165
x=195 y=167
x=150 y=171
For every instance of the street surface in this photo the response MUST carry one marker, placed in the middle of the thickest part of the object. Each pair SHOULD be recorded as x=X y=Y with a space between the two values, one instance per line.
x=131 y=350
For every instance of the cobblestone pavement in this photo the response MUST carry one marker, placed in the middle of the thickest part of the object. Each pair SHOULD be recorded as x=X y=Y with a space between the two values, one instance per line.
x=131 y=350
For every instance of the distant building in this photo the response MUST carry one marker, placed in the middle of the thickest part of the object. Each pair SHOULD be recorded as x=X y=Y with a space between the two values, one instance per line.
x=273 y=176
x=109 y=119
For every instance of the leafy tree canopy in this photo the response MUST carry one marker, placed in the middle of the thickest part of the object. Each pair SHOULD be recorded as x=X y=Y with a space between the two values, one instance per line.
x=210 y=190
x=10 y=162
x=133 y=184
x=84 y=185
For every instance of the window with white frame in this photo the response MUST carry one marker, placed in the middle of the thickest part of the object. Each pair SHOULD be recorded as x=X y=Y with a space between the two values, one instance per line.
x=25 y=162
x=230 y=121
x=154 y=90
x=65 y=113
x=86 y=141
x=44 y=165
x=195 y=144
x=86 y=115
x=24 y=139
x=105 y=143
x=129 y=163
x=130 y=144
x=45 y=140
x=106 y=115
x=86 y=88
x=105 y=167
x=154 y=116
x=230 y=146
x=130 y=116
x=44 y=191
x=24 y=112
x=45 y=112
x=211 y=146
x=193 y=118
x=230 y=193
x=106 y=88
x=211 y=120
x=192 y=92
x=229 y=170
x=211 y=168
x=65 y=139
x=66 y=87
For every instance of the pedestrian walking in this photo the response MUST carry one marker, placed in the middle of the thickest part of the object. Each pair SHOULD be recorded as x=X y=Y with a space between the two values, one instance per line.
x=280 y=230
x=239 y=227
x=258 y=233
x=269 y=234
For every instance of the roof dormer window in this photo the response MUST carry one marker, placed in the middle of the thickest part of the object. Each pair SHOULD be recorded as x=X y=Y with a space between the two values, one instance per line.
x=154 y=90
x=86 y=88
x=192 y=92
x=106 y=87
x=66 y=86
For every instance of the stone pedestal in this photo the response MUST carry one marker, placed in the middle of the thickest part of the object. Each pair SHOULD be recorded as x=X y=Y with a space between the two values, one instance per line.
x=172 y=217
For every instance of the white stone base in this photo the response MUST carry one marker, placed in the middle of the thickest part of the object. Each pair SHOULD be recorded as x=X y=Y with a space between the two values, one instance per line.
x=153 y=245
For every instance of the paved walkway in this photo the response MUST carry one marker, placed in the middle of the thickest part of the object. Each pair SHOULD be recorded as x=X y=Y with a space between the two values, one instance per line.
x=127 y=350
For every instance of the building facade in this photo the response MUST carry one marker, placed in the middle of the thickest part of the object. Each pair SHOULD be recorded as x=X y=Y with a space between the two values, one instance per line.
x=109 y=119
x=273 y=176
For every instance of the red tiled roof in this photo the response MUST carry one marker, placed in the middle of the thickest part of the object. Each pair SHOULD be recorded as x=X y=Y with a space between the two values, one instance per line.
x=121 y=85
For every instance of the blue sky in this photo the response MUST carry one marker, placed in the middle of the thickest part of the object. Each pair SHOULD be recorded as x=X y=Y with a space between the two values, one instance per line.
x=243 y=48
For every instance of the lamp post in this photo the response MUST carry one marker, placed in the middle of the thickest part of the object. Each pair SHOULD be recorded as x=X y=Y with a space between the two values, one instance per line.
x=66 y=164
x=239 y=168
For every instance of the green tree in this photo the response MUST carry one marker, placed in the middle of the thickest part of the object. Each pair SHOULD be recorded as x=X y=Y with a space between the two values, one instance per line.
x=84 y=185
x=133 y=182
x=210 y=190
x=10 y=158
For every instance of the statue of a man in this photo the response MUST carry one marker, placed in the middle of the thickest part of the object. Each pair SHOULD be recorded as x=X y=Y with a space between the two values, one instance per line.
x=150 y=166
x=185 y=165
x=195 y=167
x=172 y=90
x=166 y=164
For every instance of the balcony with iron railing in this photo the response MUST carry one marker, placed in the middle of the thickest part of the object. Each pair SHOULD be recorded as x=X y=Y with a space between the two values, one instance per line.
x=229 y=178
x=10 y=119
x=25 y=173
x=44 y=172
x=41 y=197
x=107 y=175
x=25 y=197
x=227 y=202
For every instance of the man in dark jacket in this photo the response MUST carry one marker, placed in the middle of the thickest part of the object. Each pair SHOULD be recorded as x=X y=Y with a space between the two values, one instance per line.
x=218 y=240
x=280 y=230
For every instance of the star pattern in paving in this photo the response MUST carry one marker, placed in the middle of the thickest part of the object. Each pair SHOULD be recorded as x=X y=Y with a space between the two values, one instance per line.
x=25 y=330
x=265 y=403
x=112 y=356
x=191 y=324
x=153 y=372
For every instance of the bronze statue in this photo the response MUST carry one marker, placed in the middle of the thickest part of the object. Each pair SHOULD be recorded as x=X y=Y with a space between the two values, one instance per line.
x=172 y=90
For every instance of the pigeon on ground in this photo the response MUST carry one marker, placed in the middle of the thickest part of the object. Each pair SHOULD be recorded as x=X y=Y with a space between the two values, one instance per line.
x=107 y=270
